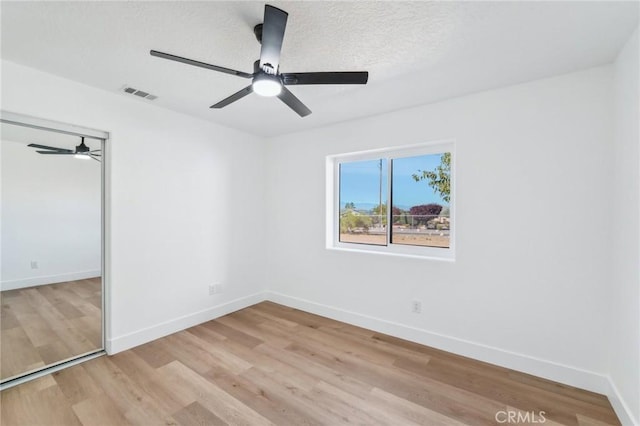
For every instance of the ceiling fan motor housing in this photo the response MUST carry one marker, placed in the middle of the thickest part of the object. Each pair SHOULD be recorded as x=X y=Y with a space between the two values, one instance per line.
x=266 y=78
x=82 y=148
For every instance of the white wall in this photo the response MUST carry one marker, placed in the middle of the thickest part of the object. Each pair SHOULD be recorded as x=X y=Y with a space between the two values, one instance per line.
x=624 y=346
x=182 y=197
x=50 y=215
x=529 y=286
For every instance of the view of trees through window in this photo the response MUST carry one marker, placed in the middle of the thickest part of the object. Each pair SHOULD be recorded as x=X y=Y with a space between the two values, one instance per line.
x=420 y=197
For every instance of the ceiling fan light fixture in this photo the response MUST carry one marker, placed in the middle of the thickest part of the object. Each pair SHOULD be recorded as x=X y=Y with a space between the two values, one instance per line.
x=267 y=80
x=267 y=85
x=82 y=156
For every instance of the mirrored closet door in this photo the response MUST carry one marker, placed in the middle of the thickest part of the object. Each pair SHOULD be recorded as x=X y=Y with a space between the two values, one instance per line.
x=51 y=289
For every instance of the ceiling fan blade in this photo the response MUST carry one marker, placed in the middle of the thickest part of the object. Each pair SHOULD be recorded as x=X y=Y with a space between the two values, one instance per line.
x=35 y=145
x=294 y=103
x=199 y=64
x=56 y=152
x=236 y=96
x=347 y=77
x=275 y=22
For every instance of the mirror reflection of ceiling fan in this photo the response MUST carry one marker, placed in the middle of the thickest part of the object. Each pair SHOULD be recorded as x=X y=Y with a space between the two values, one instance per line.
x=82 y=151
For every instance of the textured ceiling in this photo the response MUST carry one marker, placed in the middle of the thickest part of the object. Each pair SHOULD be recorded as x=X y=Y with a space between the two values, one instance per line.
x=415 y=52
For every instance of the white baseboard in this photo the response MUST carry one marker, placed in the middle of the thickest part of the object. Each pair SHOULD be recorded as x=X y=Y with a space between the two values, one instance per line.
x=139 y=337
x=538 y=367
x=621 y=408
x=47 y=279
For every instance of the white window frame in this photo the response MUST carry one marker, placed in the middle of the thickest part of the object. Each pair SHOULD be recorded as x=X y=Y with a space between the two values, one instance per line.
x=387 y=154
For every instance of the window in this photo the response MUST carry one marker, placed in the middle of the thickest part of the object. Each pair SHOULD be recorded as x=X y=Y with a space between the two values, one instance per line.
x=417 y=182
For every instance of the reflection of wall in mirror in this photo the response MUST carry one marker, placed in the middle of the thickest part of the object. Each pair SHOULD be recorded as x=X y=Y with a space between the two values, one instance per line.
x=51 y=216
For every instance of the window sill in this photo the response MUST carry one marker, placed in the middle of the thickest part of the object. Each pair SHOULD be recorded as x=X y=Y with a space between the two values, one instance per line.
x=450 y=257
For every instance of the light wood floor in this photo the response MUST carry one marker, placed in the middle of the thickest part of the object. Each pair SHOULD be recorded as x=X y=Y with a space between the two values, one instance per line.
x=269 y=364
x=48 y=323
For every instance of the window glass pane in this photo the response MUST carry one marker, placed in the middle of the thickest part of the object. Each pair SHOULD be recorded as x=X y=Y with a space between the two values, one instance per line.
x=420 y=194
x=363 y=202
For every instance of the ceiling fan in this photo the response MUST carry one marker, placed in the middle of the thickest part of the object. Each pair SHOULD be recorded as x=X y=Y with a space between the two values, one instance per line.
x=81 y=151
x=266 y=79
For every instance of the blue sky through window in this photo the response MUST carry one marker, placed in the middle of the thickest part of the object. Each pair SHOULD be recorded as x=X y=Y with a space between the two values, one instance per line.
x=360 y=182
x=406 y=191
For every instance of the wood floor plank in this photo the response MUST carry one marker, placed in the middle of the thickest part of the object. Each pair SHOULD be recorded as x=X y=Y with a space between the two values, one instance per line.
x=349 y=407
x=240 y=323
x=234 y=334
x=276 y=387
x=208 y=328
x=273 y=318
x=99 y=411
x=270 y=364
x=17 y=353
x=58 y=323
x=193 y=353
x=7 y=317
x=52 y=407
x=211 y=396
x=410 y=411
x=89 y=328
x=134 y=404
x=76 y=384
x=303 y=319
x=17 y=302
x=87 y=288
x=82 y=304
x=278 y=409
x=155 y=353
x=195 y=414
x=328 y=374
x=54 y=352
x=149 y=380
x=224 y=358
x=43 y=404
x=375 y=411
x=38 y=330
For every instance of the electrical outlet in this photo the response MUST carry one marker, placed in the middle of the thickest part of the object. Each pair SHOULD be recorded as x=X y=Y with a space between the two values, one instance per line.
x=34 y=264
x=416 y=307
x=215 y=289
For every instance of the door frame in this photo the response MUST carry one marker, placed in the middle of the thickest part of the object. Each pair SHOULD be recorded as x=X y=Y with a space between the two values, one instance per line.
x=103 y=136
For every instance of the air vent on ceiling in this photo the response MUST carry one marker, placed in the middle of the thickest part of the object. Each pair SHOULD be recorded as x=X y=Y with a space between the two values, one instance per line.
x=139 y=93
